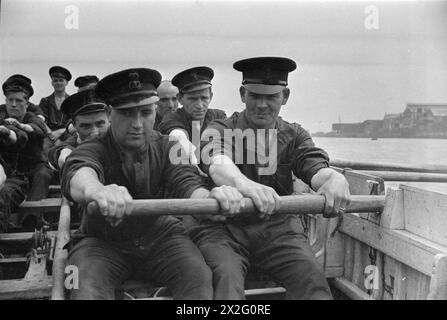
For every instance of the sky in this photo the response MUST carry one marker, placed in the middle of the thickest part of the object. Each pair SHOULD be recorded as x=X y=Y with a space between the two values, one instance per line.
x=355 y=62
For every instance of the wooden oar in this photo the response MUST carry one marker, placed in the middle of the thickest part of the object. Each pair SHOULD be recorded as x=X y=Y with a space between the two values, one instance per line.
x=408 y=176
x=60 y=254
x=386 y=166
x=296 y=204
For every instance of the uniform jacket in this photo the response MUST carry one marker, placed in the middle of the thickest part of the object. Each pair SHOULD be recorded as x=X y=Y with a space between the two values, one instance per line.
x=55 y=118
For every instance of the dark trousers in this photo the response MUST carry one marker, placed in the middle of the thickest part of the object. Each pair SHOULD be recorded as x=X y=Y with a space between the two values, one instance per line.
x=172 y=260
x=40 y=179
x=278 y=247
x=12 y=193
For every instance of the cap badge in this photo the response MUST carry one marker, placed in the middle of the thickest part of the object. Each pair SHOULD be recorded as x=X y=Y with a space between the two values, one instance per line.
x=134 y=82
x=195 y=76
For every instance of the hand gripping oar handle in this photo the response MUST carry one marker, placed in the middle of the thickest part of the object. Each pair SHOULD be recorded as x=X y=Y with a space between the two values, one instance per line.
x=296 y=204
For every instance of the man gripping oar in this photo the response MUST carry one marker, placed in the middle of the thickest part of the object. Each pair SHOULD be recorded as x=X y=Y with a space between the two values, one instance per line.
x=259 y=162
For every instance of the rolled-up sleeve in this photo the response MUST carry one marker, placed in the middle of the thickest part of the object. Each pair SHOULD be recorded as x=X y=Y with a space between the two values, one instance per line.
x=182 y=179
x=55 y=151
x=170 y=122
x=89 y=154
x=307 y=159
x=213 y=143
x=38 y=126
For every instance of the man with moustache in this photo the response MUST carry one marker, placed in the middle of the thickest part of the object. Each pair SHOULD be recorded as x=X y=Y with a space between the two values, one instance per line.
x=167 y=93
x=277 y=244
x=132 y=161
x=195 y=95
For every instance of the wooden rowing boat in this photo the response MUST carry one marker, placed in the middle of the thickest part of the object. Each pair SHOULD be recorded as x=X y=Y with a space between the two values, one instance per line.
x=391 y=245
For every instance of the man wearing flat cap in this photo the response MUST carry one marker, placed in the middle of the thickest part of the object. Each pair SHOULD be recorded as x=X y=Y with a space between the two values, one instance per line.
x=277 y=244
x=86 y=82
x=167 y=93
x=31 y=106
x=51 y=105
x=195 y=95
x=90 y=116
x=22 y=135
x=132 y=161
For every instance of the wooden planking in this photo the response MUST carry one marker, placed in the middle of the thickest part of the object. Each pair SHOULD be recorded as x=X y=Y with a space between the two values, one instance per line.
x=25 y=289
x=333 y=271
x=393 y=213
x=37 y=268
x=45 y=205
x=365 y=184
x=13 y=260
x=396 y=280
x=425 y=213
x=61 y=253
x=438 y=284
x=350 y=289
x=401 y=245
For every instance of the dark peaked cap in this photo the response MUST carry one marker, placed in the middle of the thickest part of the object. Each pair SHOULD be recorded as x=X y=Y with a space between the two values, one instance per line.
x=265 y=75
x=18 y=83
x=83 y=102
x=60 y=72
x=19 y=76
x=85 y=80
x=193 y=79
x=130 y=88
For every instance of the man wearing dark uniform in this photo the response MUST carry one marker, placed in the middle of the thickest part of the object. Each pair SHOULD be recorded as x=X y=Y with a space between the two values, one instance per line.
x=13 y=188
x=195 y=95
x=90 y=118
x=25 y=155
x=31 y=106
x=276 y=244
x=132 y=161
x=51 y=106
x=167 y=93
x=86 y=82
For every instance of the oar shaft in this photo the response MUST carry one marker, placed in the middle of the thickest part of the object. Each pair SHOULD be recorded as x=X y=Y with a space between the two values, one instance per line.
x=61 y=254
x=387 y=166
x=408 y=176
x=300 y=204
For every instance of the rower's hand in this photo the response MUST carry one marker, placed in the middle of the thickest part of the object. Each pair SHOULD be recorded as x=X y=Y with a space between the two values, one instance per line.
x=13 y=122
x=4 y=132
x=113 y=201
x=265 y=198
x=230 y=201
x=336 y=191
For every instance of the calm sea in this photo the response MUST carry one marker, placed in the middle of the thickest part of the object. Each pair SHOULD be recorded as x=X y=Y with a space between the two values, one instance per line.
x=404 y=151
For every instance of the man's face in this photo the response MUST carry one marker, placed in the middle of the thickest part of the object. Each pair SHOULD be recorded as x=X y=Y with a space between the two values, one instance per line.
x=91 y=125
x=16 y=104
x=168 y=100
x=58 y=83
x=262 y=109
x=132 y=127
x=196 y=103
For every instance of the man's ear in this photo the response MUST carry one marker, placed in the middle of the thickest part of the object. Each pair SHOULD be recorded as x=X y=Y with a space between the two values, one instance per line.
x=180 y=98
x=286 y=94
x=211 y=94
x=242 y=93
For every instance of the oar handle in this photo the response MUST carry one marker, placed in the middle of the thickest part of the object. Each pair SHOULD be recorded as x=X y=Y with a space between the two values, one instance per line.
x=295 y=204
